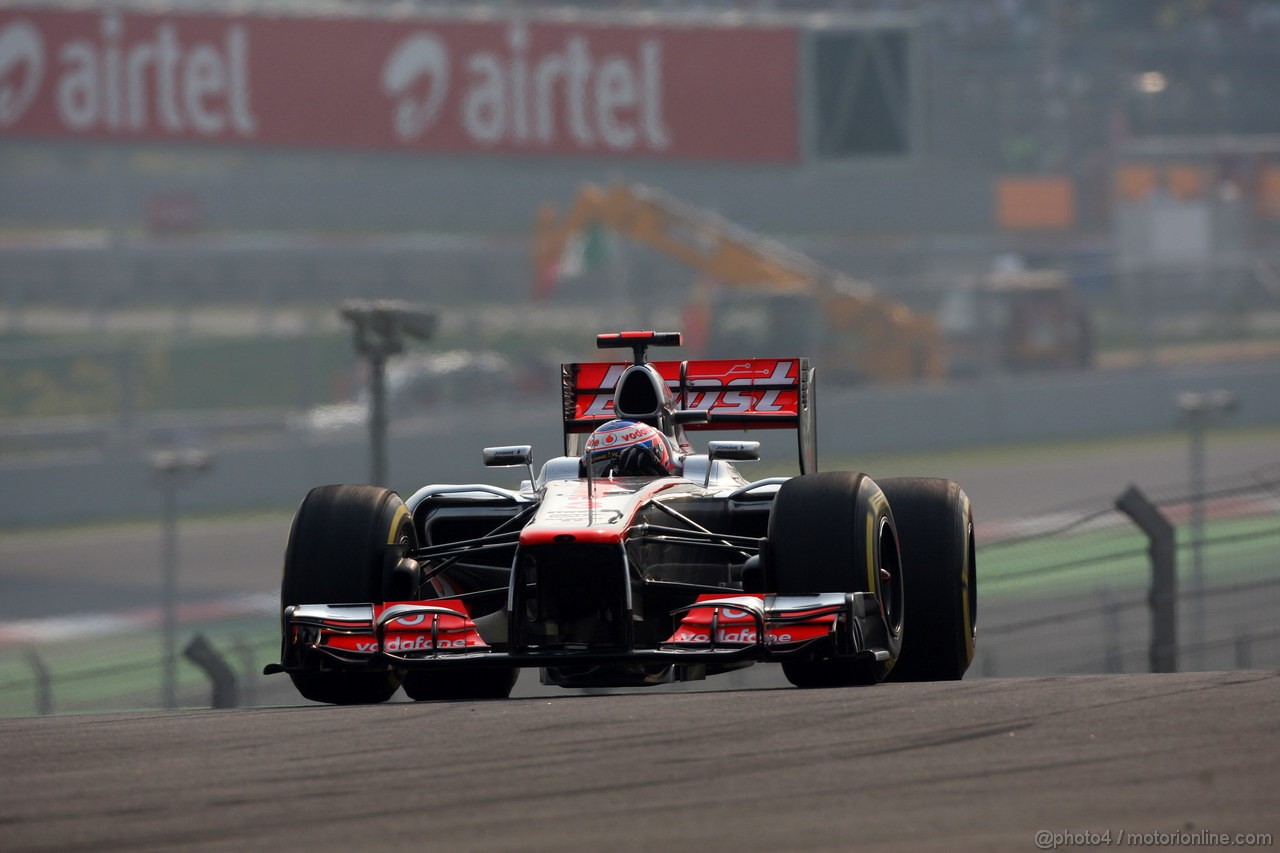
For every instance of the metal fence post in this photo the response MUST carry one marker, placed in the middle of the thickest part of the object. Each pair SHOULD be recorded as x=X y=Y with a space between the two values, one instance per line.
x=1199 y=410
x=43 y=683
x=1244 y=648
x=1163 y=597
x=205 y=656
x=171 y=467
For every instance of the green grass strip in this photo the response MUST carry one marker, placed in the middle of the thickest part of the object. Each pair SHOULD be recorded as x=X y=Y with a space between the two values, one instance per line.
x=1233 y=549
x=124 y=671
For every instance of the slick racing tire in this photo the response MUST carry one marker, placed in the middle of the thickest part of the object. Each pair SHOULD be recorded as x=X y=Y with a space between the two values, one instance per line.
x=493 y=683
x=935 y=526
x=834 y=532
x=336 y=555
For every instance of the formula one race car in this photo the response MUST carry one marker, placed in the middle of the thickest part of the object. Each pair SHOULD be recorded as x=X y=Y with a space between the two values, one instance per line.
x=633 y=560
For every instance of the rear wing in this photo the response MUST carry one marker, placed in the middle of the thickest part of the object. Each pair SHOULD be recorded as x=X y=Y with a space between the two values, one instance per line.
x=738 y=394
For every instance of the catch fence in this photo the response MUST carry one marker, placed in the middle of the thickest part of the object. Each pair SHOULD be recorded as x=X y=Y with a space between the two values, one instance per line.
x=1073 y=592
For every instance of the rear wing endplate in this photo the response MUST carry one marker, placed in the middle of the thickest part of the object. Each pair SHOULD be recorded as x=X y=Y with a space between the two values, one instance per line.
x=738 y=394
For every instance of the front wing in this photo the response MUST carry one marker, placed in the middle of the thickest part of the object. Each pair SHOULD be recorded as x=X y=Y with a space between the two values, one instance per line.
x=441 y=634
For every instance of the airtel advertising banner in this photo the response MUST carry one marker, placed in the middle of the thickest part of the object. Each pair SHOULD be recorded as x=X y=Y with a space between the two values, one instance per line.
x=511 y=87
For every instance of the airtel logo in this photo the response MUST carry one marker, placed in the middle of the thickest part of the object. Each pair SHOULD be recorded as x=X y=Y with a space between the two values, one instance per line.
x=612 y=102
x=123 y=83
x=420 y=56
x=21 y=69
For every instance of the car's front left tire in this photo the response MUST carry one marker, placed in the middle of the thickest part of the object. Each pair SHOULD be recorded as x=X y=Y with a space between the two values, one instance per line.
x=935 y=520
x=834 y=532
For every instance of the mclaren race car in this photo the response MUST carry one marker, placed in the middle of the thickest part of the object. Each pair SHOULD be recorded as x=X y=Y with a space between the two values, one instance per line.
x=633 y=559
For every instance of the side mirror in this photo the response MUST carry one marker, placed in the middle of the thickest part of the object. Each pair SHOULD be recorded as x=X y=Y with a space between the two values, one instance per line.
x=739 y=451
x=508 y=457
x=511 y=456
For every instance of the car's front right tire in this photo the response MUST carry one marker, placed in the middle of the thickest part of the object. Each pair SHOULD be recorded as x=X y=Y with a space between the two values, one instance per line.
x=337 y=555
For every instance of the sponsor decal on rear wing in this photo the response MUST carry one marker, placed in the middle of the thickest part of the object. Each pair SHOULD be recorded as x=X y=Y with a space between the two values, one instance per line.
x=737 y=394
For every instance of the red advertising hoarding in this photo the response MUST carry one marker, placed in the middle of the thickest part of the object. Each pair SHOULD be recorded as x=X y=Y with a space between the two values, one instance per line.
x=439 y=86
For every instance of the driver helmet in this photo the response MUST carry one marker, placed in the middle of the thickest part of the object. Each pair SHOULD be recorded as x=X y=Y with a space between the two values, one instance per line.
x=627 y=449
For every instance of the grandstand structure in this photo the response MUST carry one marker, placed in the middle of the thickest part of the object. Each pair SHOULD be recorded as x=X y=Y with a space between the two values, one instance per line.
x=217 y=149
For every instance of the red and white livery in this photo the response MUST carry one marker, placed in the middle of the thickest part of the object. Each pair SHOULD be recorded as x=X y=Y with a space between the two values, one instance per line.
x=660 y=563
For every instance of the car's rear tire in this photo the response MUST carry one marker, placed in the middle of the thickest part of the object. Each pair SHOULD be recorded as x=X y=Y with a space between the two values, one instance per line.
x=935 y=526
x=337 y=554
x=493 y=683
x=834 y=532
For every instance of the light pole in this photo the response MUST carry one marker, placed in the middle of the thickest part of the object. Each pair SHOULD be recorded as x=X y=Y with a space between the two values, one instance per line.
x=172 y=467
x=380 y=327
x=1199 y=410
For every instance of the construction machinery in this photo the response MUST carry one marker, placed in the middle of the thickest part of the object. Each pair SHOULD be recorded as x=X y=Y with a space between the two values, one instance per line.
x=1016 y=320
x=752 y=290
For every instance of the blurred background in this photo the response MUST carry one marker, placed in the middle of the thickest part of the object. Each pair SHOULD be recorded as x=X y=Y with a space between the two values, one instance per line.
x=1014 y=236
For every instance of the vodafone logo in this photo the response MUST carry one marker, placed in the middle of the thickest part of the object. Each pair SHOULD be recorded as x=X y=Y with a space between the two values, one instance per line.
x=21 y=69
x=412 y=643
x=530 y=98
x=744 y=636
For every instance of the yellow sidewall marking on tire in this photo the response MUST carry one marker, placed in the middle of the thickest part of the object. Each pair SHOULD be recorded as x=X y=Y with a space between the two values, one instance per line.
x=966 y=625
x=871 y=553
x=879 y=505
x=401 y=512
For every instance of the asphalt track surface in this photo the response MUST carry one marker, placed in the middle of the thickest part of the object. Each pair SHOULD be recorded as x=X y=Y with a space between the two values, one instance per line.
x=980 y=765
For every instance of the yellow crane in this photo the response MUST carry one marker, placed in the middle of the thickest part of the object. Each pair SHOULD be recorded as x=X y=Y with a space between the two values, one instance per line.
x=861 y=335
